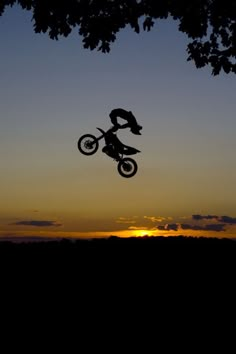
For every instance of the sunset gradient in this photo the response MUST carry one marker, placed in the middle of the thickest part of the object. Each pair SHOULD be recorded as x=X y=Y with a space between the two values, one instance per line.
x=52 y=92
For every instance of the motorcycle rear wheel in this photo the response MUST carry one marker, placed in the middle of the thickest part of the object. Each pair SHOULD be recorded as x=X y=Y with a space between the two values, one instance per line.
x=88 y=144
x=127 y=167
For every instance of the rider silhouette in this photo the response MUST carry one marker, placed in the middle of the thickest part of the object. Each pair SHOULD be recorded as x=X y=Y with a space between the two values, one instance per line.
x=114 y=146
x=129 y=117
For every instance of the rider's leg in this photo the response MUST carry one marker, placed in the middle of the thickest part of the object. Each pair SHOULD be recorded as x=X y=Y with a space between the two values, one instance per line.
x=111 y=151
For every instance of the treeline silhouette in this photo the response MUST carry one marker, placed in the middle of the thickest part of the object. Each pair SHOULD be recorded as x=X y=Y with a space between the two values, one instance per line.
x=136 y=272
x=44 y=243
x=115 y=250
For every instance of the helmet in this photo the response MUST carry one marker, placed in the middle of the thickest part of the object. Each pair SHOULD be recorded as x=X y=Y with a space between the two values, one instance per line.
x=136 y=129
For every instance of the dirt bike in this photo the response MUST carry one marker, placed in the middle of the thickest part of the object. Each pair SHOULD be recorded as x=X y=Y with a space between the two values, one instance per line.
x=88 y=144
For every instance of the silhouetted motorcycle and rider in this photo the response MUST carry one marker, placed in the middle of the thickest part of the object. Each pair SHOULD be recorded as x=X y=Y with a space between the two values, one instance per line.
x=88 y=144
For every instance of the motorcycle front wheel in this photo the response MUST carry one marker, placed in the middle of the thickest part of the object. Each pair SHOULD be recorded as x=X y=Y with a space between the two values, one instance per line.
x=127 y=167
x=88 y=144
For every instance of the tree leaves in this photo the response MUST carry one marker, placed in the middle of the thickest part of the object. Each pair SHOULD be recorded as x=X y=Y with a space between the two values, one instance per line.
x=210 y=24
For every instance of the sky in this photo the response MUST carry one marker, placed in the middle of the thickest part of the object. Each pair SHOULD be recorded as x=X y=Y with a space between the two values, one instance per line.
x=52 y=92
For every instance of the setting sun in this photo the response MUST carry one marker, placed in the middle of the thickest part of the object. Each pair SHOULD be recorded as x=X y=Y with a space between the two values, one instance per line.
x=141 y=233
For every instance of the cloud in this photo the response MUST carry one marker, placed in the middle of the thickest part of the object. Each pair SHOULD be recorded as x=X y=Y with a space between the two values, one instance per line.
x=157 y=218
x=138 y=228
x=191 y=227
x=227 y=219
x=38 y=223
x=209 y=227
x=215 y=224
x=215 y=227
x=176 y=227
x=222 y=219
x=161 y=227
x=168 y=227
x=202 y=217
x=123 y=220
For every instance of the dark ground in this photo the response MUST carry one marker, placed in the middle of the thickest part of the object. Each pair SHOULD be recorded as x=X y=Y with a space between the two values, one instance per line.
x=183 y=286
x=144 y=253
x=174 y=268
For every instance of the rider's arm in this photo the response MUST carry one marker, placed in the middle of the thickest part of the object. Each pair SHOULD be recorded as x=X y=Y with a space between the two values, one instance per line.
x=113 y=118
x=119 y=126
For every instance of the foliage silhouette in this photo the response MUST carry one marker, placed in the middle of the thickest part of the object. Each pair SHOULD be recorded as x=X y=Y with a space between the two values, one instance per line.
x=148 y=247
x=132 y=270
x=209 y=24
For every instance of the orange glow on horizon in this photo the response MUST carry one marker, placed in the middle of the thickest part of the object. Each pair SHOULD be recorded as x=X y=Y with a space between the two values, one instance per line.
x=104 y=234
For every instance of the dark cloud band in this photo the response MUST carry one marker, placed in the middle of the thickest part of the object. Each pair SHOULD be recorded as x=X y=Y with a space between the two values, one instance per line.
x=38 y=223
x=209 y=227
x=223 y=219
x=176 y=227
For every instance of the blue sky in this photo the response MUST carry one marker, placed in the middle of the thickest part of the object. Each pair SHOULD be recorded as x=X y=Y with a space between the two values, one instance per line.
x=51 y=92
